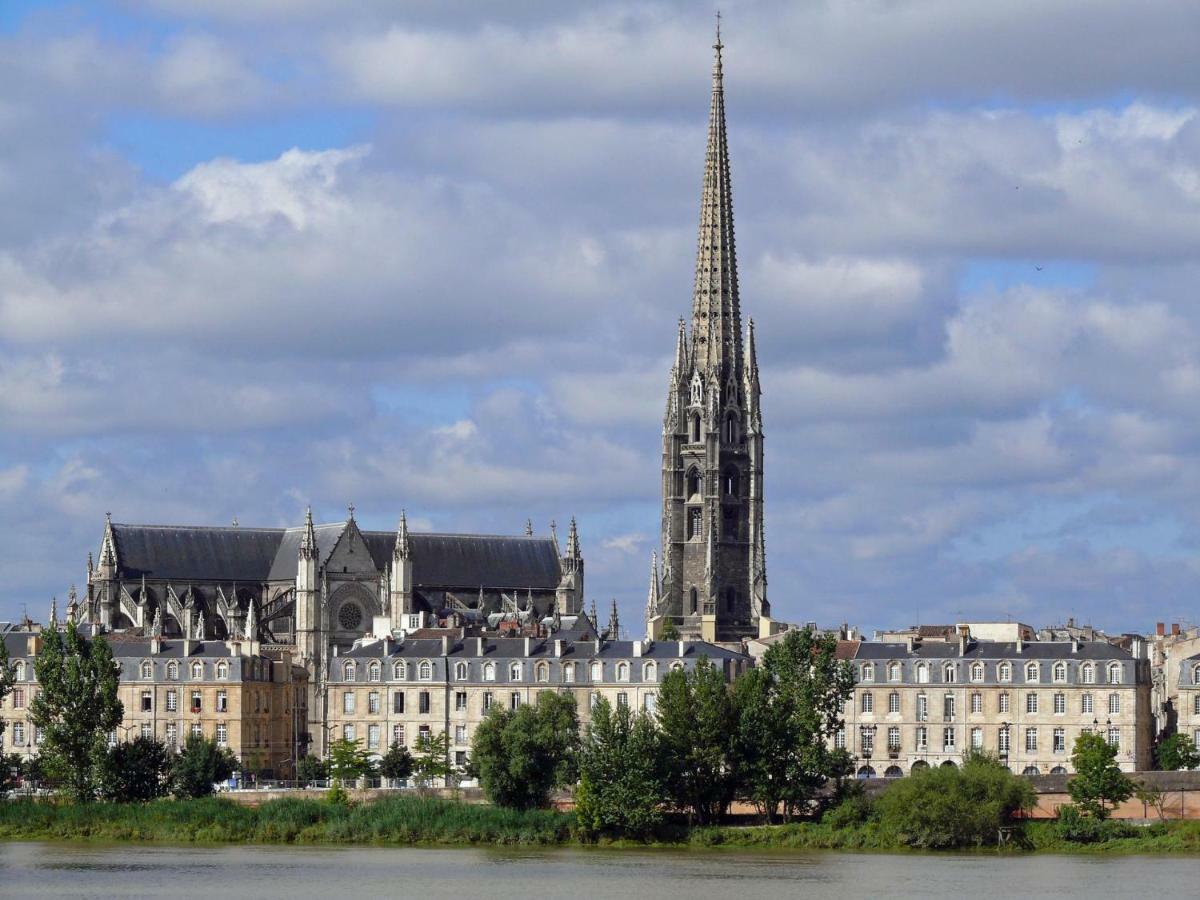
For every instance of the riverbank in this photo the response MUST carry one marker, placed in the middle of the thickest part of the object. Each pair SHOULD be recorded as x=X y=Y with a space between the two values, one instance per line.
x=430 y=821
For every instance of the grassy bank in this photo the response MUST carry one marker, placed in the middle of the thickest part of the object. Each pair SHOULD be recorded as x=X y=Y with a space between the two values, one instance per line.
x=409 y=820
x=394 y=820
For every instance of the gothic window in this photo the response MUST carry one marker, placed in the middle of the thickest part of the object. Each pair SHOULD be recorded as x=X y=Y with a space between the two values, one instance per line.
x=729 y=482
x=350 y=616
x=695 y=482
x=348 y=670
x=731 y=525
x=695 y=523
x=731 y=430
x=694 y=601
x=696 y=429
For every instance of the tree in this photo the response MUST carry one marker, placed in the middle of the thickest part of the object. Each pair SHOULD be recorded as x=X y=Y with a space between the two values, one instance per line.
x=620 y=792
x=1151 y=798
x=6 y=679
x=788 y=710
x=310 y=769
x=948 y=807
x=199 y=767
x=432 y=759
x=670 y=632
x=397 y=763
x=696 y=736
x=1177 y=751
x=76 y=708
x=1098 y=783
x=135 y=770
x=348 y=761
x=521 y=755
x=10 y=772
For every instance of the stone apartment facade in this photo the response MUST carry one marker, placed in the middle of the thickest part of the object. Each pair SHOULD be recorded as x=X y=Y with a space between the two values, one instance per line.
x=247 y=698
x=393 y=690
x=1187 y=702
x=926 y=703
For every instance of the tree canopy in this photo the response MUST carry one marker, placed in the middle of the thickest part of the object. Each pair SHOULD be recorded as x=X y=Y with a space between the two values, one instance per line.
x=521 y=755
x=200 y=766
x=620 y=790
x=1098 y=783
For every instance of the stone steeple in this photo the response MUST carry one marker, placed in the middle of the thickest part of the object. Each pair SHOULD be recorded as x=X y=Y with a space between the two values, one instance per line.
x=400 y=590
x=569 y=596
x=713 y=579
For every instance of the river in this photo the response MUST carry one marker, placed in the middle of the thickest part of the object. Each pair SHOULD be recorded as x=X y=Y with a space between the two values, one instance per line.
x=82 y=870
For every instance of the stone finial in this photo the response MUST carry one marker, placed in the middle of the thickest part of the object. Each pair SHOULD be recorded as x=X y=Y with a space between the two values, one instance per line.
x=573 y=541
x=402 y=549
x=529 y=528
x=308 y=543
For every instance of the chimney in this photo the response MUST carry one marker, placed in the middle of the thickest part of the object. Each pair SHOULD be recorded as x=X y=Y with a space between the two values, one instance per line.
x=528 y=645
x=445 y=645
x=235 y=648
x=155 y=645
x=480 y=646
x=558 y=647
x=962 y=644
x=681 y=651
x=1074 y=645
x=1174 y=629
x=1020 y=645
x=1160 y=629
x=33 y=645
x=908 y=641
x=637 y=648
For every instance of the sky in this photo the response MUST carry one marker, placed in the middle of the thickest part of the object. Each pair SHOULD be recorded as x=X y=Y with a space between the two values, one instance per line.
x=260 y=254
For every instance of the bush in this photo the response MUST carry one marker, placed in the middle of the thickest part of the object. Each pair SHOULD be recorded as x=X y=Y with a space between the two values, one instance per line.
x=135 y=771
x=944 y=807
x=857 y=809
x=1074 y=826
x=200 y=766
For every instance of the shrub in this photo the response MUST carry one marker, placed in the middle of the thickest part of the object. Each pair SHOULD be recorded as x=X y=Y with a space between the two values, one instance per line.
x=857 y=809
x=1074 y=826
x=946 y=807
x=201 y=765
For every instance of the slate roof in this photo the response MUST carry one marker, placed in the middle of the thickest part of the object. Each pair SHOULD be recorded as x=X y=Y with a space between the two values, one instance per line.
x=514 y=648
x=234 y=553
x=992 y=650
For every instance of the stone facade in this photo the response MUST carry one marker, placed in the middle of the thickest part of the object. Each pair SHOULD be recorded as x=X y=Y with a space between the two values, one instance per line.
x=922 y=704
x=713 y=583
x=1187 y=702
x=394 y=690
x=243 y=696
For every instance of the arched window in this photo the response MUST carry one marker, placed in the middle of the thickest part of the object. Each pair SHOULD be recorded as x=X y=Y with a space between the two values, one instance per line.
x=222 y=670
x=425 y=670
x=649 y=672
x=949 y=672
x=460 y=671
x=489 y=671
x=172 y=671
x=695 y=482
x=867 y=672
x=893 y=671
x=398 y=672
x=568 y=672
x=693 y=601
x=1033 y=672
x=197 y=670
x=676 y=667
x=731 y=429
x=1004 y=672
x=622 y=671
x=147 y=669
x=19 y=670
x=348 y=670
x=543 y=672
x=1088 y=674
x=597 y=671
x=696 y=428
x=977 y=671
x=1114 y=673
x=1196 y=675
x=922 y=673
x=514 y=672
x=373 y=672
x=729 y=482
x=1059 y=673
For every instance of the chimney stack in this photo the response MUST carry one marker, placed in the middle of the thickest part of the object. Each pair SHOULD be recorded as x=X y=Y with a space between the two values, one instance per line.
x=1160 y=629
x=1174 y=629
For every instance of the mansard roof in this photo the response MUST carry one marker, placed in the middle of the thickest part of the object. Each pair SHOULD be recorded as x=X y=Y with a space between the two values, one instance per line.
x=184 y=553
x=1030 y=650
x=514 y=648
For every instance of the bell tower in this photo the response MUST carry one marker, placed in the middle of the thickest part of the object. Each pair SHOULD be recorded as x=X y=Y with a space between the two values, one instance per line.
x=713 y=583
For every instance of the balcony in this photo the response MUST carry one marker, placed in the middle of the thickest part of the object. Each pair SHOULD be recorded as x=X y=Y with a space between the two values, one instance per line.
x=893 y=751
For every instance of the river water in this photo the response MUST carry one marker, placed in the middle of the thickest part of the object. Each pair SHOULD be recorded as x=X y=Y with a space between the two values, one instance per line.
x=75 y=870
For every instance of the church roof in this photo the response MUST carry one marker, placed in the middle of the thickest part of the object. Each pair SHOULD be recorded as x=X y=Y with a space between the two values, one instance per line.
x=464 y=562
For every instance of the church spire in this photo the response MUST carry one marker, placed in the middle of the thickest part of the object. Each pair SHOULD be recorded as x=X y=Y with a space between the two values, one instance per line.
x=402 y=550
x=308 y=543
x=716 y=313
x=652 y=596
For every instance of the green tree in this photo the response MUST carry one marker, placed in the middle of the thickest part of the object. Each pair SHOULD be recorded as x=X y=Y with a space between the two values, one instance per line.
x=1177 y=751
x=348 y=761
x=949 y=807
x=620 y=792
x=788 y=710
x=199 y=767
x=1098 y=783
x=397 y=763
x=696 y=723
x=432 y=759
x=135 y=770
x=670 y=632
x=10 y=772
x=310 y=769
x=76 y=707
x=521 y=755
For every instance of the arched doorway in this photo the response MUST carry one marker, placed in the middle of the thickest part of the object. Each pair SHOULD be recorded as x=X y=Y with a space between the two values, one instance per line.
x=1031 y=770
x=1059 y=770
x=893 y=772
x=919 y=764
x=866 y=772
x=949 y=764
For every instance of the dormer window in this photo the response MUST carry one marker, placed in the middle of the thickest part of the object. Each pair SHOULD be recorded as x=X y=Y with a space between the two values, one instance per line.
x=543 y=672
x=597 y=671
x=460 y=671
x=348 y=670
x=1059 y=673
x=197 y=670
x=977 y=671
x=1033 y=672
x=172 y=671
x=1114 y=673
x=373 y=672
x=1087 y=674
x=514 y=672
x=1004 y=672
x=893 y=671
x=949 y=673
x=222 y=670
x=867 y=672
x=649 y=672
x=425 y=670
x=398 y=673
x=147 y=670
